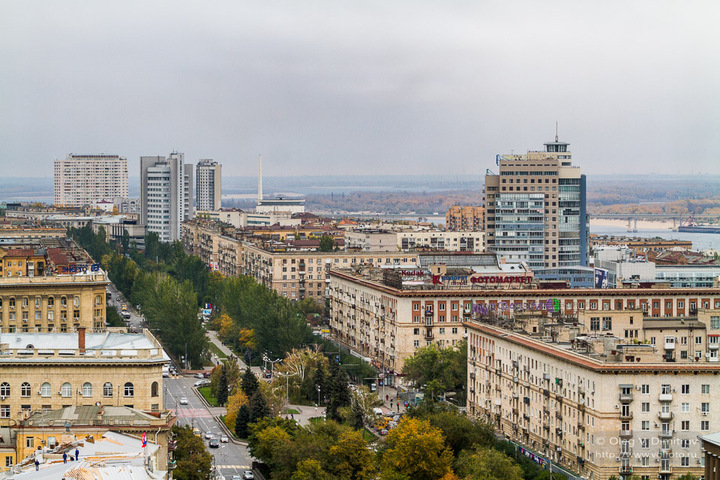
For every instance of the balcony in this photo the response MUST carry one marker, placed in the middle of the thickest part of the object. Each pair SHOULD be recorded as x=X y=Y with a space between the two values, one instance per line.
x=665 y=397
x=665 y=469
x=665 y=434
x=429 y=335
x=581 y=425
x=713 y=346
x=626 y=433
x=626 y=397
x=625 y=470
x=626 y=416
x=665 y=415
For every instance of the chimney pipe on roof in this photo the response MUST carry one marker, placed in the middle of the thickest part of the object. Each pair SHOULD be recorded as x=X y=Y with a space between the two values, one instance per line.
x=81 y=339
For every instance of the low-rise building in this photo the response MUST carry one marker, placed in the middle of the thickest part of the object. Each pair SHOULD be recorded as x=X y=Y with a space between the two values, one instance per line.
x=437 y=240
x=47 y=371
x=101 y=456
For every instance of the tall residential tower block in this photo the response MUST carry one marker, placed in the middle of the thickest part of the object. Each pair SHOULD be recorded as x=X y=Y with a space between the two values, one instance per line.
x=166 y=190
x=82 y=180
x=208 y=183
x=535 y=209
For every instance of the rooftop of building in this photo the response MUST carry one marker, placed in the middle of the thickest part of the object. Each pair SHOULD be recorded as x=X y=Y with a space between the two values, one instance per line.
x=424 y=286
x=106 y=347
x=600 y=352
x=95 y=415
x=113 y=455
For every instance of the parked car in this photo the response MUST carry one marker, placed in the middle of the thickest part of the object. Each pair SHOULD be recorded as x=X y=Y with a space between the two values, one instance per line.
x=199 y=375
x=183 y=401
x=202 y=383
x=214 y=443
x=224 y=439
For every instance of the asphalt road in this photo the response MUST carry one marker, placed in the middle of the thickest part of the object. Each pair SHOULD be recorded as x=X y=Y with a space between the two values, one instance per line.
x=117 y=300
x=230 y=459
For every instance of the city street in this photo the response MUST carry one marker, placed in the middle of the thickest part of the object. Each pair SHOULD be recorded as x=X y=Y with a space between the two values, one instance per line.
x=230 y=459
x=117 y=300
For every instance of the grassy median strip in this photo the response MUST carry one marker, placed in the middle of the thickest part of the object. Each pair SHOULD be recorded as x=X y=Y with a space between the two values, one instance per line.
x=205 y=392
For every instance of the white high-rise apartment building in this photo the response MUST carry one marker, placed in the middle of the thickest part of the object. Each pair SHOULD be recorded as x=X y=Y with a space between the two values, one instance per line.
x=208 y=183
x=165 y=194
x=85 y=179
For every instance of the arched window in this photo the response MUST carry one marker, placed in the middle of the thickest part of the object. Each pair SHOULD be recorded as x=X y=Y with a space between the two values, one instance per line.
x=76 y=301
x=107 y=389
x=87 y=389
x=98 y=300
x=129 y=390
x=66 y=390
x=45 y=390
x=25 y=389
x=12 y=302
x=51 y=301
x=5 y=389
x=63 y=301
x=154 y=389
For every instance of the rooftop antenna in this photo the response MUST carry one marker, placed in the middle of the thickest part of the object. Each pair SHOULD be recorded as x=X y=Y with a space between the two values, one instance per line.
x=556 y=131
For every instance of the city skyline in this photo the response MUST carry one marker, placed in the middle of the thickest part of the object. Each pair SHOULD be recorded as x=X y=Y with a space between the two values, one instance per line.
x=356 y=88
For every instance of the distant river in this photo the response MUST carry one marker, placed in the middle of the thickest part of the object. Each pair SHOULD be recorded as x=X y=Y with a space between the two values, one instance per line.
x=701 y=241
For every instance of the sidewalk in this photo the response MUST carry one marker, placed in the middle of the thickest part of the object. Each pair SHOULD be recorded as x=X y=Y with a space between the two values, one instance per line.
x=212 y=335
x=390 y=398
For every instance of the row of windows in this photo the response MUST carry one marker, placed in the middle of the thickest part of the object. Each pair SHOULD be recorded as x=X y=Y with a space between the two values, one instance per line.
x=66 y=390
x=25 y=301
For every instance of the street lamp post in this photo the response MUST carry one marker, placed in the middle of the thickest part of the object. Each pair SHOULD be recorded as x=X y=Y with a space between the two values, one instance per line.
x=272 y=363
x=287 y=385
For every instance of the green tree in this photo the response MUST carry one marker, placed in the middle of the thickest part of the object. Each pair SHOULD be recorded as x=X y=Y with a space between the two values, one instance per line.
x=193 y=460
x=113 y=317
x=258 y=407
x=249 y=383
x=486 y=464
x=338 y=392
x=171 y=312
x=416 y=449
x=459 y=431
x=310 y=469
x=327 y=242
x=438 y=370
x=242 y=421
x=319 y=381
x=125 y=241
x=222 y=391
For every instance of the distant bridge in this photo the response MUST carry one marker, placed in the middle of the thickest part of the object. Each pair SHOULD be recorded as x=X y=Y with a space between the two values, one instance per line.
x=632 y=218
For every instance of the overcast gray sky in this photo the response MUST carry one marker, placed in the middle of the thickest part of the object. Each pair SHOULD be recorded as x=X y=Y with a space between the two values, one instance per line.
x=361 y=87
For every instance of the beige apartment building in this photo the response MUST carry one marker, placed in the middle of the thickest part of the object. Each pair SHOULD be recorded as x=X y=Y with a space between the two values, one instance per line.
x=295 y=274
x=606 y=393
x=437 y=240
x=56 y=303
x=50 y=371
x=45 y=372
x=386 y=315
x=465 y=217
